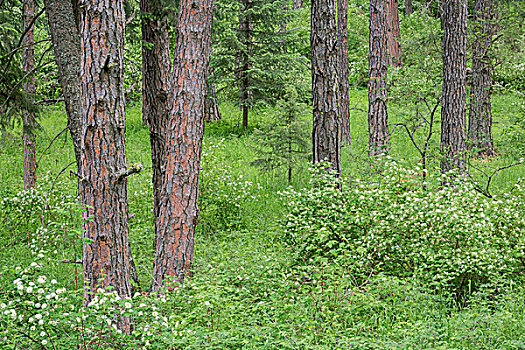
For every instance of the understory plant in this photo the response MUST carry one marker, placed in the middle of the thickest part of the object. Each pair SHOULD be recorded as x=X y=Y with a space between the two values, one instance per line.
x=451 y=238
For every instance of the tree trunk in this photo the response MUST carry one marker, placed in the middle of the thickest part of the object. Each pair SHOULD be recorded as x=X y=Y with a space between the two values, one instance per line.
x=156 y=67
x=66 y=44
x=179 y=205
x=326 y=133
x=379 y=136
x=211 y=109
x=344 y=88
x=245 y=32
x=480 y=116
x=107 y=257
x=408 y=7
x=28 y=116
x=394 y=34
x=453 y=106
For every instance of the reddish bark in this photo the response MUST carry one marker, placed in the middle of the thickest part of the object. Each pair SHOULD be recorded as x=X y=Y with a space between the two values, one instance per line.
x=454 y=103
x=28 y=117
x=379 y=136
x=107 y=257
x=344 y=88
x=156 y=67
x=326 y=133
x=179 y=210
x=394 y=34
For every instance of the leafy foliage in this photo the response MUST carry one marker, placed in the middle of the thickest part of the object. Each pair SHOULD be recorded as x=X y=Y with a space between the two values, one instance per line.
x=453 y=239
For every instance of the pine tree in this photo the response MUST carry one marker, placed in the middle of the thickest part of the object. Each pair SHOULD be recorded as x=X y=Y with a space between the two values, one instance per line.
x=250 y=64
x=107 y=260
x=379 y=136
x=480 y=112
x=178 y=210
x=28 y=117
x=454 y=96
x=326 y=134
x=284 y=143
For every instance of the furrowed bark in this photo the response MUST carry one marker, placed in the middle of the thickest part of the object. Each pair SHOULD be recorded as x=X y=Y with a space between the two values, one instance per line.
x=66 y=43
x=344 y=88
x=453 y=107
x=480 y=114
x=394 y=34
x=156 y=69
x=379 y=138
x=179 y=210
x=28 y=116
x=326 y=133
x=106 y=257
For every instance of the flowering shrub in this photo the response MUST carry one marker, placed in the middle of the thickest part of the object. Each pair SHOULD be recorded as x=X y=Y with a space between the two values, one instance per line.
x=450 y=237
x=44 y=216
x=223 y=194
x=36 y=312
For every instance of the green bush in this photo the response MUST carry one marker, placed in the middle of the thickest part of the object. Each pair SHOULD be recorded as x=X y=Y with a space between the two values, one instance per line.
x=450 y=237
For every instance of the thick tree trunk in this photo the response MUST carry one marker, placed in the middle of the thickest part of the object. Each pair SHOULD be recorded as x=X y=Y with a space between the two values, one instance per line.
x=179 y=205
x=156 y=67
x=480 y=116
x=326 y=133
x=245 y=32
x=453 y=107
x=379 y=137
x=28 y=116
x=344 y=88
x=66 y=43
x=107 y=257
x=408 y=7
x=394 y=34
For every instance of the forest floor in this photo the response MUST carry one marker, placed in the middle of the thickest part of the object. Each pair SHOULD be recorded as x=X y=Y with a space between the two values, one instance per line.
x=245 y=293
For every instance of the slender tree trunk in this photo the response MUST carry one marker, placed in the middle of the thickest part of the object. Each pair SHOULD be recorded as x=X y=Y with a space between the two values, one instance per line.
x=297 y=4
x=179 y=210
x=408 y=7
x=66 y=44
x=107 y=257
x=379 y=136
x=245 y=31
x=211 y=109
x=453 y=107
x=480 y=116
x=326 y=133
x=394 y=34
x=344 y=88
x=156 y=67
x=28 y=119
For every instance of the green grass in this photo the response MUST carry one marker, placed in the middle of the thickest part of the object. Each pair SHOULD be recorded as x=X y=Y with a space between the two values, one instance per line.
x=258 y=300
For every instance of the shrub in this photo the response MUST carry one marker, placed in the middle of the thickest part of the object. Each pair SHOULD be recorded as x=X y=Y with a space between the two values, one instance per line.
x=450 y=237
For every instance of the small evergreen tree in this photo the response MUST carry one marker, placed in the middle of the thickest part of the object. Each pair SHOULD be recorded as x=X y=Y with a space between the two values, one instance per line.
x=284 y=143
x=249 y=57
